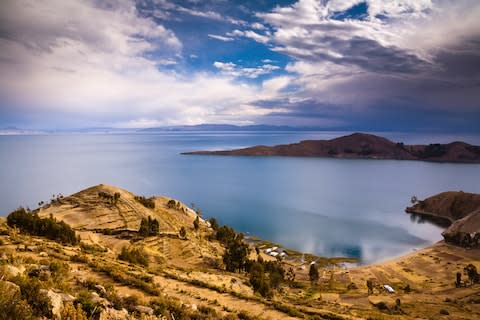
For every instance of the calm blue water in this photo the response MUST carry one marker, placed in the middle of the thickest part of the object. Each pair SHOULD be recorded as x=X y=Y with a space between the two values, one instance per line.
x=324 y=206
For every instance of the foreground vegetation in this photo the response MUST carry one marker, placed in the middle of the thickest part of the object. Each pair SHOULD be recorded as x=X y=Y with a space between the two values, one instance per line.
x=172 y=264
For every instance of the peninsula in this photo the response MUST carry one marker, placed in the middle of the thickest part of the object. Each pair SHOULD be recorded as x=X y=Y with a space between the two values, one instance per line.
x=361 y=146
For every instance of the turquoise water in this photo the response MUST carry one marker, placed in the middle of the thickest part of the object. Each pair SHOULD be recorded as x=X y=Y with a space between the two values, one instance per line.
x=324 y=206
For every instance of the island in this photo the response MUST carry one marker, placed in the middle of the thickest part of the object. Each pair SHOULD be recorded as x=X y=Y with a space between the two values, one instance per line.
x=361 y=146
x=106 y=253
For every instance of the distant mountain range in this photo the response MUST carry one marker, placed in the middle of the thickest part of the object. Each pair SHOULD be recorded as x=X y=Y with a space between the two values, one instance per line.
x=180 y=128
x=229 y=127
x=361 y=146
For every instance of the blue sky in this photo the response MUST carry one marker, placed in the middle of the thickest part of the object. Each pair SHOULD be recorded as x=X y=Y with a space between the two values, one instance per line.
x=370 y=65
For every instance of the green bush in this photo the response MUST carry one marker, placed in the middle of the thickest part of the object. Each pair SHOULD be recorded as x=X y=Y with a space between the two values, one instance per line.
x=30 y=292
x=146 y=202
x=50 y=228
x=91 y=308
x=149 y=227
x=12 y=306
x=134 y=255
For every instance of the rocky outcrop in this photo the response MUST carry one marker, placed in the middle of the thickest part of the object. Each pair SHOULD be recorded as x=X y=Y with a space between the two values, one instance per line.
x=361 y=146
x=465 y=232
x=461 y=212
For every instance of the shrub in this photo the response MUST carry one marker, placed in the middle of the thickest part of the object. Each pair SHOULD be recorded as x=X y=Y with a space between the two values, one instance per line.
x=214 y=224
x=196 y=223
x=259 y=282
x=80 y=258
x=146 y=202
x=92 y=248
x=444 y=312
x=91 y=308
x=50 y=228
x=313 y=273
x=182 y=233
x=236 y=253
x=12 y=306
x=472 y=274
x=136 y=256
x=30 y=292
x=149 y=227
x=69 y=312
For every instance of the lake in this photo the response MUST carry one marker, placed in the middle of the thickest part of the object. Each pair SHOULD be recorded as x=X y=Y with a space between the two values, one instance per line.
x=328 y=207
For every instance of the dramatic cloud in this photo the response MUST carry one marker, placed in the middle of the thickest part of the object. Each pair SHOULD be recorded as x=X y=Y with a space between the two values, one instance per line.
x=368 y=64
x=396 y=53
x=102 y=62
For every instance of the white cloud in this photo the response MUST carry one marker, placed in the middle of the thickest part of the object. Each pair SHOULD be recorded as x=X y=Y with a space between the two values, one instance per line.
x=96 y=63
x=221 y=38
x=258 y=26
x=274 y=85
x=231 y=69
x=249 y=34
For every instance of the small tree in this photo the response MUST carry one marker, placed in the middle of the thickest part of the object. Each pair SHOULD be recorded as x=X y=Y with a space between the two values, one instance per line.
x=214 y=224
x=236 y=253
x=258 y=281
x=370 y=286
x=414 y=199
x=472 y=274
x=182 y=232
x=149 y=227
x=458 y=282
x=196 y=223
x=116 y=197
x=313 y=273
x=291 y=275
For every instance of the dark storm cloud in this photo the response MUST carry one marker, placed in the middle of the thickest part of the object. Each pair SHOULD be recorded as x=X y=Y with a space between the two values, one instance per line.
x=364 y=53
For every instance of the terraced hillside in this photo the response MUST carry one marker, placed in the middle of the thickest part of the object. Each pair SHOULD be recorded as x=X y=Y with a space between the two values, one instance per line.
x=183 y=276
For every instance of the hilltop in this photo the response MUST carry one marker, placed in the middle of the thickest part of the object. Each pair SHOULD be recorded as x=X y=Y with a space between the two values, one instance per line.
x=116 y=270
x=361 y=146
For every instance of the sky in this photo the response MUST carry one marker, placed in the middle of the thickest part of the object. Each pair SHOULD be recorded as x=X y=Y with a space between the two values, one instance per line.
x=398 y=65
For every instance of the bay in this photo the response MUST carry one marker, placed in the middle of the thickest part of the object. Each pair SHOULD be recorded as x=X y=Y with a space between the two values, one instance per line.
x=324 y=206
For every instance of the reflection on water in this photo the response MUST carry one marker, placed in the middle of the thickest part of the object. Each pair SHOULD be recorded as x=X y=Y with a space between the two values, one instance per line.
x=438 y=221
x=325 y=206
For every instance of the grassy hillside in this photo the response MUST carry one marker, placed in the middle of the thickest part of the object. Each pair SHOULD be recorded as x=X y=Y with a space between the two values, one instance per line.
x=116 y=272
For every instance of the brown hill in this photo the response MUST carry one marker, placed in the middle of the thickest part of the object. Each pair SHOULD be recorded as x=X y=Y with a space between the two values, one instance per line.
x=92 y=209
x=460 y=209
x=361 y=145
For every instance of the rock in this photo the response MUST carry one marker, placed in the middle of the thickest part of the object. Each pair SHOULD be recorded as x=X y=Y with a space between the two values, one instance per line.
x=21 y=247
x=57 y=299
x=352 y=286
x=31 y=248
x=57 y=303
x=99 y=300
x=15 y=271
x=43 y=254
x=144 y=309
x=100 y=289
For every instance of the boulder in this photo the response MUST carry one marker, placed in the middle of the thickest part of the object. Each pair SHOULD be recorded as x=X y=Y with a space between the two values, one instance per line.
x=57 y=299
x=144 y=310
x=100 y=289
x=15 y=271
